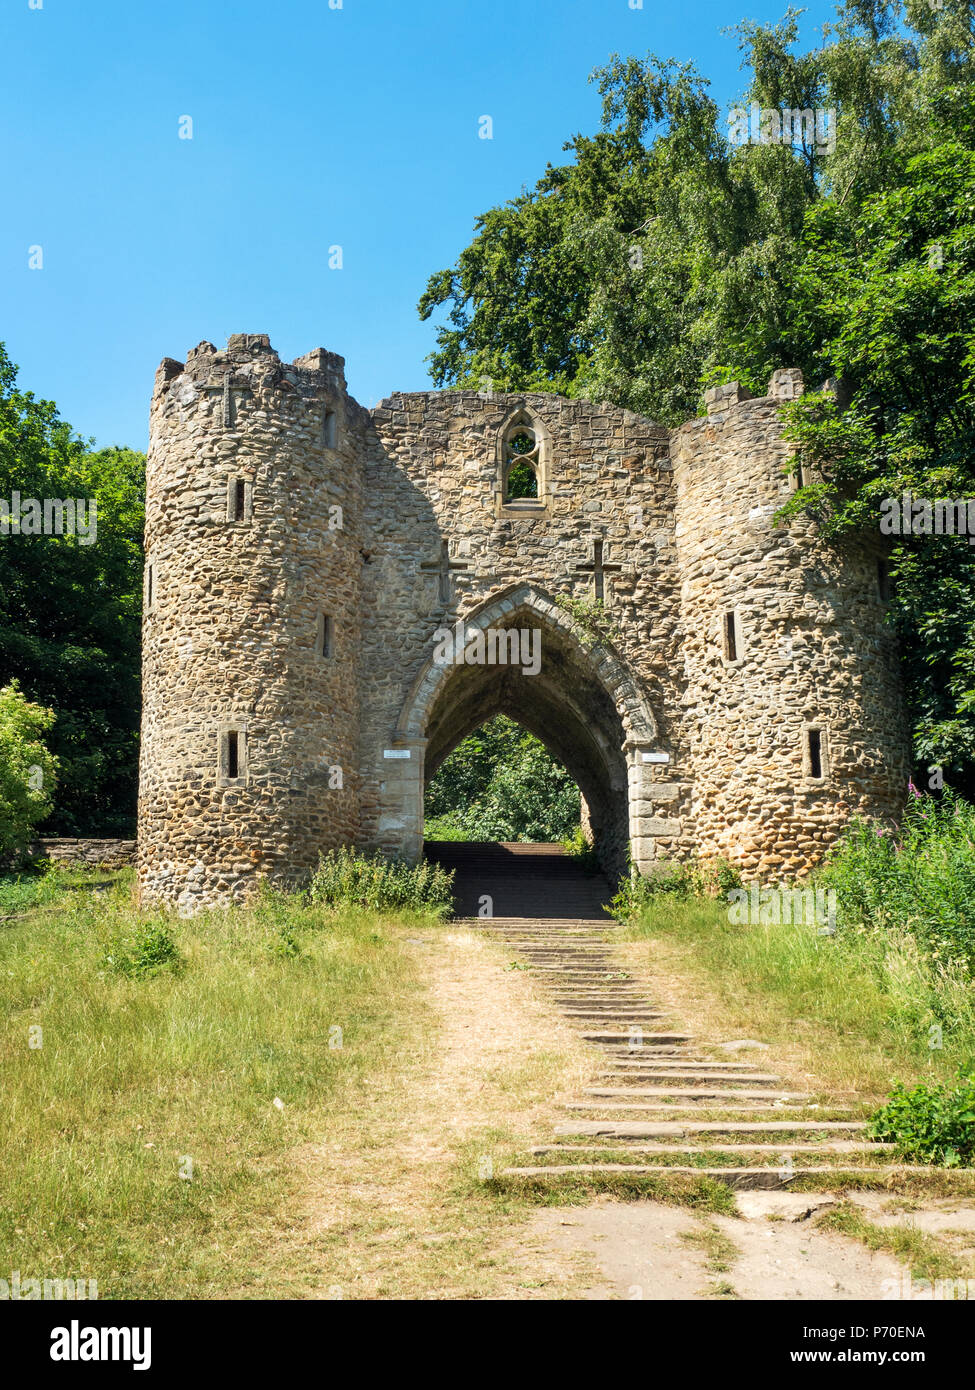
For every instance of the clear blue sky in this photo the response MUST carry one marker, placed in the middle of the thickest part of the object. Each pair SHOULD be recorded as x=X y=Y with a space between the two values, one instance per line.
x=312 y=127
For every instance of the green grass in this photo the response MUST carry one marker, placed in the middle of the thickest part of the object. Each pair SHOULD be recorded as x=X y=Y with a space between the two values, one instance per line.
x=44 y=887
x=926 y=1256
x=865 y=1005
x=141 y=1144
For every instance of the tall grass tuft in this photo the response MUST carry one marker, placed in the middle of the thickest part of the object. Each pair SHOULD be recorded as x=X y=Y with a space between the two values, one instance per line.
x=919 y=879
x=346 y=878
x=150 y=1114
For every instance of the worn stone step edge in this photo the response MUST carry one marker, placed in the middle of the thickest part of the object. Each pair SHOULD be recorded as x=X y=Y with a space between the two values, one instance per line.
x=659 y=1128
x=687 y=1074
x=736 y=1177
x=841 y=1146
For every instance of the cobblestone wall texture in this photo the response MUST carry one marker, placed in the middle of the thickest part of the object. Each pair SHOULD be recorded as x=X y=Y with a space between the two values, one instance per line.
x=737 y=694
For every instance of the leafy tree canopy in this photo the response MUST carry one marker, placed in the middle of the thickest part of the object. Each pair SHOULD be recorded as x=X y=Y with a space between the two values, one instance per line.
x=675 y=251
x=500 y=783
x=70 y=613
x=27 y=769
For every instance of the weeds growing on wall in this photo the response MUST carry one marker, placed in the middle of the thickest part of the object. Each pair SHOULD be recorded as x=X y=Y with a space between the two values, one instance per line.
x=710 y=878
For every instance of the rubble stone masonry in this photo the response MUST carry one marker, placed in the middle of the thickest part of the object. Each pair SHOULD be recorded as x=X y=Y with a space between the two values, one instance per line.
x=736 y=695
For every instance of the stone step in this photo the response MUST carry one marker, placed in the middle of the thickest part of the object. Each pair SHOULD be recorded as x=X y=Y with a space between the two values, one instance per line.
x=841 y=1146
x=649 y=1039
x=740 y=1178
x=597 y=1108
x=702 y=1092
x=685 y=1074
x=621 y=1015
x=569 y=974
x=601 y=999
x=678 y=1063
x=661 y=1129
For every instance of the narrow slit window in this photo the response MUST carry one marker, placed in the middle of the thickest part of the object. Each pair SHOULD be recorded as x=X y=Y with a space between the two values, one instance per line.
x=240 y=498
x=883 y=580
x=150 y=595
x=233 y=754
x=324 y=635
x=730 y=637
x=814 y=751
x=329 y=429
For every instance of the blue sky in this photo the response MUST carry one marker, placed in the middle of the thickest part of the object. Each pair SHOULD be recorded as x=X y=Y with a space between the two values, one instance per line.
x=312 y=127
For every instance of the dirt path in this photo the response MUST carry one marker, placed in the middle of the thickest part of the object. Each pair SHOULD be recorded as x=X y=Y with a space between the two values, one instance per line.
x=395 y=1204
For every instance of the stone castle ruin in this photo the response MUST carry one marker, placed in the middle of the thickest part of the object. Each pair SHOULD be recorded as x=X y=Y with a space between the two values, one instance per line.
x=735 y=695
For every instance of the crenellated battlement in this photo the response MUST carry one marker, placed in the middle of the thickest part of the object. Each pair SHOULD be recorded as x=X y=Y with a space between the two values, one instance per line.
x=303 y=553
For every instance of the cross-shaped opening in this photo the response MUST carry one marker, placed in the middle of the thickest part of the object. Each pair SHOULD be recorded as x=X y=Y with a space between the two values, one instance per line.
x=442 y=569
x=598 y=569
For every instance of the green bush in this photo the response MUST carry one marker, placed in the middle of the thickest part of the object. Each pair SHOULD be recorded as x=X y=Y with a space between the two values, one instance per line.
x=930 y=1124
x=501 y=783
x=577 y=847
x=346 y=878
x=695 y=878
x=143 y=950
x=921 y=877
x=27 y=769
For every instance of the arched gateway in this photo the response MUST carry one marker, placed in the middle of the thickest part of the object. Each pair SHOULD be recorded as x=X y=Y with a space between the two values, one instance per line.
x=335 y=597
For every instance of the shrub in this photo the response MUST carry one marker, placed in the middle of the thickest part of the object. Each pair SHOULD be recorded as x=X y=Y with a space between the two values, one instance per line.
x=143 y=950
x=346 y=878
x=694 y=878
x=578 y=848
x=26 y=768
x=921 y=877
x=930 y=1124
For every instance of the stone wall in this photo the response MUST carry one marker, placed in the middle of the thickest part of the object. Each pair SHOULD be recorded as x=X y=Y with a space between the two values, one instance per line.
x=110 y=854
x=233 y=626
x=811 y=651
x=275 y=503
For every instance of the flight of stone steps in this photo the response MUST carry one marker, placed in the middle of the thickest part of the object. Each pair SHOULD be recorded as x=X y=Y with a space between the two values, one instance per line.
x=521 y=880
x=664 y=1108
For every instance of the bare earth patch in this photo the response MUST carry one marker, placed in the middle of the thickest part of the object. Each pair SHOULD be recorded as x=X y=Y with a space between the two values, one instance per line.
x=395 y=1202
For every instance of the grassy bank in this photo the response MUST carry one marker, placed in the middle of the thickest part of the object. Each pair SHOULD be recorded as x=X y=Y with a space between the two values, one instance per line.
x=856 y=1010
x=152 y=1099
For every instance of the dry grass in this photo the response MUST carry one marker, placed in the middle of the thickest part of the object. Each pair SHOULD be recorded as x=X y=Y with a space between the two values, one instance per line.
x=371 y=1179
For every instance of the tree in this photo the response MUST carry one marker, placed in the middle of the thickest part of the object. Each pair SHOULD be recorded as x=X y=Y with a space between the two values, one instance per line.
x=500 y=783
x=669 y=255
x=70 y=613
x=27 y=768
x=885 y=299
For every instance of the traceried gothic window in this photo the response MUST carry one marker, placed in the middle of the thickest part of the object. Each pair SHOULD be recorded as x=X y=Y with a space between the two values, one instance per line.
x=521 y=464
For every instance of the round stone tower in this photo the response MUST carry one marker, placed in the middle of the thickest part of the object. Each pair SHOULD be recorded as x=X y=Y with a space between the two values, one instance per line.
x=251 y=622
x=792 y=705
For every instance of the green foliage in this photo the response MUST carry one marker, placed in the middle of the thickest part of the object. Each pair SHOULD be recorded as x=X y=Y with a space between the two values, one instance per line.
x=663 y=258
x=500 y=783
x=27 y=769
x=577 y=847
x=930 y=1123
x=920 y=879
x=141 y=949
x=285 y=943
x=885 y=299
x=692 y=878
x=70 y=614
x=346 y=878
x=592 y=617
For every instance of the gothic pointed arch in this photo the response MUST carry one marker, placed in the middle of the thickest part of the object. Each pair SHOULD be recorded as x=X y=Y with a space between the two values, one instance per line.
x=524 y=463
x=607 y=666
